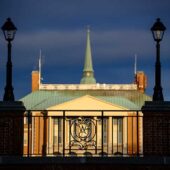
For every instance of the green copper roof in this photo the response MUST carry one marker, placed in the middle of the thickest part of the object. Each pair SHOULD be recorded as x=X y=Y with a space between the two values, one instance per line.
x=88 y=73
x=43 y=99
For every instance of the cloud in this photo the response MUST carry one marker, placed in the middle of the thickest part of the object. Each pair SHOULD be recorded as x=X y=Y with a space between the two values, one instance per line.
x=68 y=47
x=67 y=14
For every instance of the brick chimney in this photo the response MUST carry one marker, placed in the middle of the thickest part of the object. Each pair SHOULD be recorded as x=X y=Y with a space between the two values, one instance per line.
x=141 y=81
x=35 y=80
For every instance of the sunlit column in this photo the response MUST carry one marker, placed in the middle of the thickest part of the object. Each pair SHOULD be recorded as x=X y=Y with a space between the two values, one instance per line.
x=110 y=140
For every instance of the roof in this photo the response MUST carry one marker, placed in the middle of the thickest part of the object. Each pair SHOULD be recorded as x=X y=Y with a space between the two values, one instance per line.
x=42 y=99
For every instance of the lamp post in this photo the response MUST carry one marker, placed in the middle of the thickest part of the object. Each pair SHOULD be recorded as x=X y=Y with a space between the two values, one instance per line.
x=9 y=31
x=158 y=31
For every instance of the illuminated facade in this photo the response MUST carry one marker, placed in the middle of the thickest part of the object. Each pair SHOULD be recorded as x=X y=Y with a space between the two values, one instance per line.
x=84 y=119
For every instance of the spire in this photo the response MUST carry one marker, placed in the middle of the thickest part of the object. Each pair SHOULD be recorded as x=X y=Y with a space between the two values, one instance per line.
x=39 y=65
x=88 y=73
x=135 y=69
x=135 y=64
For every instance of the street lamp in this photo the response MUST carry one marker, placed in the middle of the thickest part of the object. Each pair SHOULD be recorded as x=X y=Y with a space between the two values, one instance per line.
x=158 y=31
x=9 y=31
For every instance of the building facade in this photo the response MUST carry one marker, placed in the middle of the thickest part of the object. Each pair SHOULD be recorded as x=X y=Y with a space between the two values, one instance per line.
x=86 y=119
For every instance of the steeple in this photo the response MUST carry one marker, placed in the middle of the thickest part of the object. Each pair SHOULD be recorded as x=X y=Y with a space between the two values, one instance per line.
x=88 y=72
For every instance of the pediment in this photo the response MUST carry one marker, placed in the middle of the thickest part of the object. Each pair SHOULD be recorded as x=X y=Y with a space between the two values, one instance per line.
x=87 y=102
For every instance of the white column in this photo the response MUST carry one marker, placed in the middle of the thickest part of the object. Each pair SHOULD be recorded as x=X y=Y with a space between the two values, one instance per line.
x=109 y=133
x=50 y=137
x=99 y=132
x=67 y=131
x=125 y=145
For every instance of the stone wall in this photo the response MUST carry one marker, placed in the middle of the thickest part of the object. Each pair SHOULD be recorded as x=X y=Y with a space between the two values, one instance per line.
x=156 y=128
x=11 y=128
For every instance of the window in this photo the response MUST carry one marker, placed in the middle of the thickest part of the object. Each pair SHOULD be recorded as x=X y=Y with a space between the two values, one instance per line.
x=57 y=134
x=118 y=130
x=105 y=130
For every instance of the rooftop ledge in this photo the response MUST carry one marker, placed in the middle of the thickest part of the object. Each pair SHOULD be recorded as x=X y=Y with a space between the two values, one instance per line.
x=88 y=86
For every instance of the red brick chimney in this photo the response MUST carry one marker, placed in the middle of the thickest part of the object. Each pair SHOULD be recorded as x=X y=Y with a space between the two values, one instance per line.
x=35 y=80
x=141 y=81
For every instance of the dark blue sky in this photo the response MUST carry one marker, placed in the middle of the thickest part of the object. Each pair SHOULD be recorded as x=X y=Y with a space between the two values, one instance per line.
x=119 y=30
